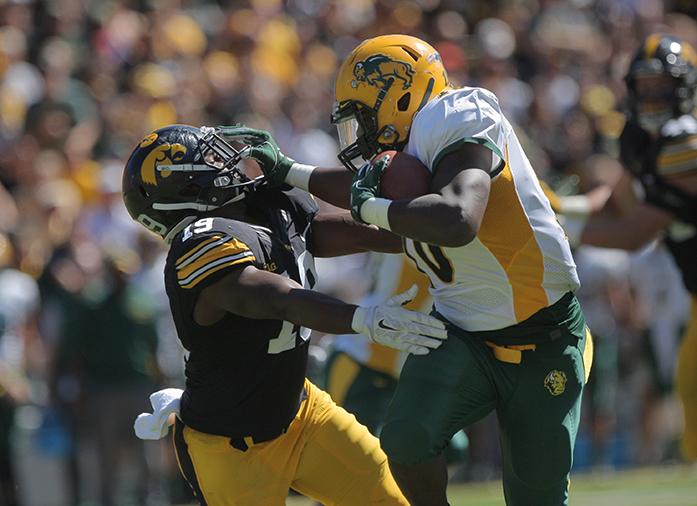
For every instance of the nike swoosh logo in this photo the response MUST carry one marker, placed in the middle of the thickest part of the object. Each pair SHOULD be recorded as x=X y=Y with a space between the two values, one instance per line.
x=382 y=325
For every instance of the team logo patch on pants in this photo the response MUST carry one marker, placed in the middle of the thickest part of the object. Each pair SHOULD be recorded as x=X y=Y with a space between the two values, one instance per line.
x=555 y=382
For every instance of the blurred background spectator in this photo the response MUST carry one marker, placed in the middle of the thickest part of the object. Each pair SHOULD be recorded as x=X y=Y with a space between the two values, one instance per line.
x=86 y=332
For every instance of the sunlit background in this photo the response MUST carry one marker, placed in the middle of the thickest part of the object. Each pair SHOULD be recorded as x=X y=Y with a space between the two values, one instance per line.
x=86 y=330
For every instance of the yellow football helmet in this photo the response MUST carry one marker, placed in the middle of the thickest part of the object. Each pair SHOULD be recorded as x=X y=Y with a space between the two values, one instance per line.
x=380 y=86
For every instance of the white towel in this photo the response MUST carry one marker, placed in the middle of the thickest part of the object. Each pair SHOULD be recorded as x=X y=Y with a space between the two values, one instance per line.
x=156 y=424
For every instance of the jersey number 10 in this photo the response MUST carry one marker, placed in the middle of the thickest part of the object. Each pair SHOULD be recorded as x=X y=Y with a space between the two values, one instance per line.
x=436 y=262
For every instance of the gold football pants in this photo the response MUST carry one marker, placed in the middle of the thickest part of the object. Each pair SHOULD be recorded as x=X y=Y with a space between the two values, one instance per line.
x=325 y=454
x=686 y=381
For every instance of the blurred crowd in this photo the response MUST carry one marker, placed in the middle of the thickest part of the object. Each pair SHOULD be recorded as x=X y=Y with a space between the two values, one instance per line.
x=84 y=322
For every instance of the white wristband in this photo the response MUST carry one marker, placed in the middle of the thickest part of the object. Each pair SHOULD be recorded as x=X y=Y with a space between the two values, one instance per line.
x=358 y=321
x=299 y=175
x=374 y=211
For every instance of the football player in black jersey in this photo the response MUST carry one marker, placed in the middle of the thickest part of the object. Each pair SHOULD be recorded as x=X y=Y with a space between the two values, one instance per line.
x=658 y=147
x=239 y=277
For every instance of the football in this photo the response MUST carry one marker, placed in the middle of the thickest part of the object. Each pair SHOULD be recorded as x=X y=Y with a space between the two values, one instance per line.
x=405 y=177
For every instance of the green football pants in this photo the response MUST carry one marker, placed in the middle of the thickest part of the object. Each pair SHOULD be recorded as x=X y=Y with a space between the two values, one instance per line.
x=537 y=402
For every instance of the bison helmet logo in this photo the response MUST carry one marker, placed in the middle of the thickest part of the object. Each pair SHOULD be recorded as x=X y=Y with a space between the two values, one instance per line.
x=555 y=382
x=380 y=70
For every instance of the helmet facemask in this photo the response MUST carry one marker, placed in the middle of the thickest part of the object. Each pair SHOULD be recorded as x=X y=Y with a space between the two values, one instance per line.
x=357 y=127
x=214 y=179
x=654 y=96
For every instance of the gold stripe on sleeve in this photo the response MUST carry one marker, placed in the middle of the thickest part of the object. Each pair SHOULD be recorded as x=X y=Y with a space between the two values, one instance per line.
x=207 y=272
x=197 y=248
x=231 y=247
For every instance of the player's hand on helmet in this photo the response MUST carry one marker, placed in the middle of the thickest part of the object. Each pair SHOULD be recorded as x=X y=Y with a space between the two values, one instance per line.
x=392 y=325
x=366 y=185
x=263 y=148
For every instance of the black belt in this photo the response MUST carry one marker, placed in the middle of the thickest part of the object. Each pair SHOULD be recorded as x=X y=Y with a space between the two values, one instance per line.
x=242 y=443
x=546 y=332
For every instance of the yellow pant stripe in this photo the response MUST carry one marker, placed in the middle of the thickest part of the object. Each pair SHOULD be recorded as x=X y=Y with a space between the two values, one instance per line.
x=588 y=354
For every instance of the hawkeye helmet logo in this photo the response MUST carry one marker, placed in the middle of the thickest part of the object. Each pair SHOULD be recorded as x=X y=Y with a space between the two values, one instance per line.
x=379 y=70
x=148 y=139
x=163 y=154
x=555 y=382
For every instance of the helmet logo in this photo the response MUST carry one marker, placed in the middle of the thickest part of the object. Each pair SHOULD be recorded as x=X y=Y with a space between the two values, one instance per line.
x=162 y=154
x=147 y=140
x=378 y=70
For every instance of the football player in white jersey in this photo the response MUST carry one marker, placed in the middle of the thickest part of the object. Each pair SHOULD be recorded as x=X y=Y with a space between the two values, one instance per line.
x=500 y=267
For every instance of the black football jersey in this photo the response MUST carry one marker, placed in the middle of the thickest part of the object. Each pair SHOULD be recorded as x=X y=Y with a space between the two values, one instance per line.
x=649 y=160
x=243 y=376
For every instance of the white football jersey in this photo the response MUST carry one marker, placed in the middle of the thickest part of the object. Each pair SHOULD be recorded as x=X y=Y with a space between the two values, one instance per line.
x=520 y=261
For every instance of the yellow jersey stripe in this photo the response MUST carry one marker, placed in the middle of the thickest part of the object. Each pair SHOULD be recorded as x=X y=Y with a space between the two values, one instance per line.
x=197 y=248
x=212 y=263
x=525 y=275
x=553 y=198
x=678 y=170
x=210 y=269
x=215 y=252
x=676 y=143
x=517 y=250
x=679 y=157
x=202 y=251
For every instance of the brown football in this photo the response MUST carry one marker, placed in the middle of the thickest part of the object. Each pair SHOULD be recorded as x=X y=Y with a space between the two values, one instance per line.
x=404 y=178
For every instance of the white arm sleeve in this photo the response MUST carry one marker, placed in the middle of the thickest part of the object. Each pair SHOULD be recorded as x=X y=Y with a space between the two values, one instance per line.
x=455 y=117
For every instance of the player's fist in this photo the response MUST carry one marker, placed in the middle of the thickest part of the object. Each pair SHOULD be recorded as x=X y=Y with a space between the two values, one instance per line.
x=366 y=185
x=262 y=147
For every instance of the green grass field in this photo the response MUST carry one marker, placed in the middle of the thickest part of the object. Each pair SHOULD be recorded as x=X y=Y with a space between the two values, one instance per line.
x=666 y=486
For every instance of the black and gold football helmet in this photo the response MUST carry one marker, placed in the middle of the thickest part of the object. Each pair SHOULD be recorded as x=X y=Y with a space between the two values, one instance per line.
x=673 y=58
x=179 y=171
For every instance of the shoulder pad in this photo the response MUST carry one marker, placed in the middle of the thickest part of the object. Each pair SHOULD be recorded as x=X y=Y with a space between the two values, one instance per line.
x=678 y=152
x=209 y=245
x=303 y=201
x=461 y=115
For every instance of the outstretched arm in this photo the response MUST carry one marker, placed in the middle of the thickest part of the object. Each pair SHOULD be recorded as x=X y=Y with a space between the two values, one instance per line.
x=336 y=233
x=630 y=231
x=332 y=185
x=611 y=216
x=259 y=294
x=255 y=293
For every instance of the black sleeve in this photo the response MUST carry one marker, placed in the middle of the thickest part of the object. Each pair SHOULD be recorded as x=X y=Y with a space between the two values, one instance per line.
x=304 y=203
